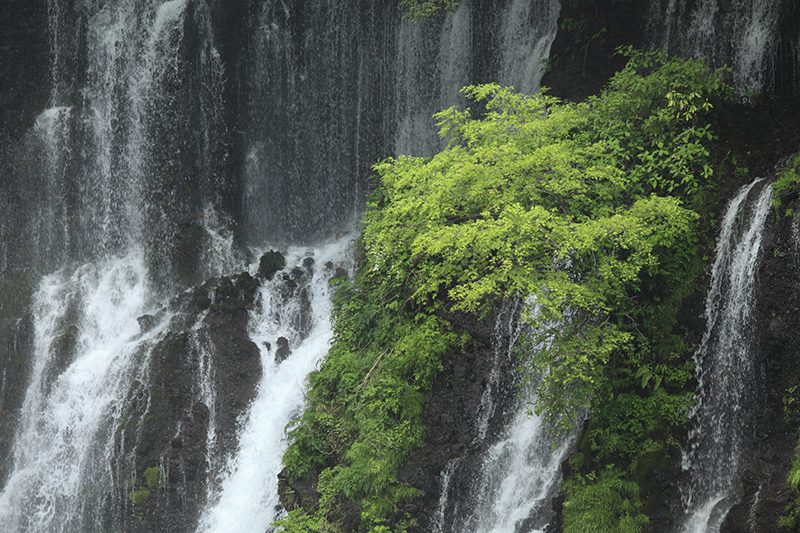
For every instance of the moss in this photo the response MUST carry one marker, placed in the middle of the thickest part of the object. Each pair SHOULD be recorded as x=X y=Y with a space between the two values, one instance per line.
x=792 y=511
x=154 y=477
x=787 y=188
x=139 y=498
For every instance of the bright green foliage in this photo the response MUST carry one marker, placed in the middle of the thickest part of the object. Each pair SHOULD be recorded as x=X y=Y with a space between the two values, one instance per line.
x=139 y=497
x=788 y=184
x=560 y=202
x=656 y=120
x=422 y=9
x=793 y=509
x=299 y=521
x=607 y=503
x=154 y=477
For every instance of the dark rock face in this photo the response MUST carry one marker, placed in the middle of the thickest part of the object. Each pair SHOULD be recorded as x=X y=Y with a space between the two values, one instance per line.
x=582 y=67
x=270 y=263
x=300 y=494
x=167 y=427
x=283 y=350
x=16 y=344
x=24 y=64
x=450 y=415
x=24 y=92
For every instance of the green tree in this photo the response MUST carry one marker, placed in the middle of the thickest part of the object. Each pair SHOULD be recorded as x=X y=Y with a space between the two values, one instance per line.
x=537 y=197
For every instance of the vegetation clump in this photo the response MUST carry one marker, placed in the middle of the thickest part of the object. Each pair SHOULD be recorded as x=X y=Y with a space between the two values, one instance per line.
x=590 y=209
x=154 y=478
x=787 y=187
x=417 y=10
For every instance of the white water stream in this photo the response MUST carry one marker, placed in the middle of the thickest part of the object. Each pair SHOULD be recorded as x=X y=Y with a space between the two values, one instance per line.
x=513 y=481
x=714 y=456
x=88 y=351
x=738 y=33
x=246 y=499
x=436 y=59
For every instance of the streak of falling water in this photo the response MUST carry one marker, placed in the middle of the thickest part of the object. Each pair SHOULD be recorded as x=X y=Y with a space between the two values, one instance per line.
x=713 y=458
x=247 y=498
x=88 y=350
x=518 y=474
x=738 y=33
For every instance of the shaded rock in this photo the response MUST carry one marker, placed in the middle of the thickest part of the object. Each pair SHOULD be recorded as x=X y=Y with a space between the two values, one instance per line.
x=148 y=322
x=298 y=494
x=270 y=263
x=283 y=350
x=339 y=274
x=167 y=419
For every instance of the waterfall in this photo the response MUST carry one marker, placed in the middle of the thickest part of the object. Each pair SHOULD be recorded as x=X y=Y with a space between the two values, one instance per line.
x=742 y=34
x=316 y=118
x=133 y=147
x=165 y=151
x=108 y=201
x=528 y=30
x=435 y=59
x=433 y=63
x=296 y=310
x=714 y=457
x=512 y=475
x=88 y=350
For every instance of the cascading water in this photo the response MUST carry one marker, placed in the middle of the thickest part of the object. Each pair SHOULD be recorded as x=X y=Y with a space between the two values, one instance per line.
x=296 y=310
x=718 y=434
x=514 y=474
x=88 y=351
x=103 y=210
x=527 y=30
x=425 y=86
x=316 y=114
x=524 y=31
x=741 y=34
x=138 y=197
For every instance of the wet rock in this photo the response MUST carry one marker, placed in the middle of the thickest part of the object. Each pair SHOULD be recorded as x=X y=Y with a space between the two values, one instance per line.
x=450 y=411
x=283 y=350
x=339 y=274
x=167 y=420
x=147 y=322
x=771 y=447
x=297 y=494
x=270 y=263
x=289 y=285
